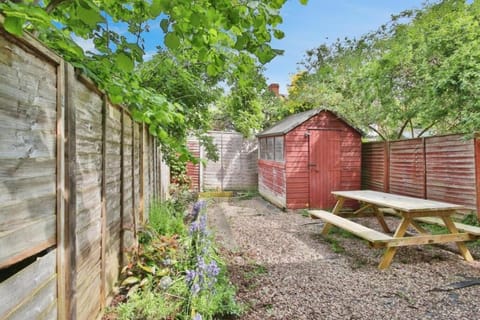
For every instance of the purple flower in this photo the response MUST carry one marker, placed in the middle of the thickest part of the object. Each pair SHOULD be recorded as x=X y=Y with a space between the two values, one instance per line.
x=197 y=207
x=212 y=269
x=195 y=288
x=190 y=275
x=197 y=316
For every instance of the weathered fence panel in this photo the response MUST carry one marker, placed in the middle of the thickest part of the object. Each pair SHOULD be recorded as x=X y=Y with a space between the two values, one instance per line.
x=76 y=176
x=374 y=166
x=236 y=168
x=32 y=292
x=89 y=197
x=444 y=168
x=28 y=108
x=451 y=170
x=407 y=168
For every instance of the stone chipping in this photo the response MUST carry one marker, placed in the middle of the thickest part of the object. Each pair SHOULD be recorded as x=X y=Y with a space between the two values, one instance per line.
x=284 y=269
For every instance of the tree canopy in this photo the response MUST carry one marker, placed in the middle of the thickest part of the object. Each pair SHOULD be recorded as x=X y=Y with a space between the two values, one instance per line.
x=418 y=73
x=203 y=42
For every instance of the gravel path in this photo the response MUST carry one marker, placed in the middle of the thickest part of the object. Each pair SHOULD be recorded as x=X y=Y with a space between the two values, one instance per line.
x=284 y=269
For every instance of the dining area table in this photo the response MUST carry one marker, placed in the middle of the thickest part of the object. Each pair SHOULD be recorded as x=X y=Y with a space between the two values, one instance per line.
x=410 y=210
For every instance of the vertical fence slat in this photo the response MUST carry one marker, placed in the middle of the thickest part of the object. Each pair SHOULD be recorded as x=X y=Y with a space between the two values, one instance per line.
x=61 y=219
x=103 y=294
x=122 y=186
x=71 y=197
x=141 y=175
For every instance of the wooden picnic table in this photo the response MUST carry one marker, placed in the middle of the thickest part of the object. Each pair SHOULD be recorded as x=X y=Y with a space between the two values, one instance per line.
x=408 y=208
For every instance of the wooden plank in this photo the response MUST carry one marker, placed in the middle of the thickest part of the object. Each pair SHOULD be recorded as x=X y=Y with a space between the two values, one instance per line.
x=16 y=246
x=142 y=177
x=429 y=239
x=363 y=232
x=70 y=234
x=38 y=303
x=103 y=293
x=122 y=185
x=390 y=252
x=460 y=245
x=23 y=286
x=399 y=202
x=60 y=204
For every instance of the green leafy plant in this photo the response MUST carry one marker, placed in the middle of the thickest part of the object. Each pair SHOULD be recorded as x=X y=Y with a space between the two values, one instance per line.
x=176 y=277
x=166 y=219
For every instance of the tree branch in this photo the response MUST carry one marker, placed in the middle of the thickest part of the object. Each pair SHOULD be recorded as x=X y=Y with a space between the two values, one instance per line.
x=400 y=133
x=377 y=132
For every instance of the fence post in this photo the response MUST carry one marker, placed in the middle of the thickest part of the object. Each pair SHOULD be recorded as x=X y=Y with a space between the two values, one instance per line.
x=122 y=186
x=69 y=264
x=386 y=167
x=142 y=178
x=103 y=293
x=133 y=184
x=424 y=144
x=60 y=206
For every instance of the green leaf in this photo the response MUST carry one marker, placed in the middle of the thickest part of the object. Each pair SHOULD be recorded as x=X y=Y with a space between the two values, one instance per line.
x=124 y=62
x=211 y=70
x=91 y=17
x=14 y=25
x=172 y=41
x=130 y=280
x=279 y=34
x=164 y=25
x=156 y=8
x=304 y=2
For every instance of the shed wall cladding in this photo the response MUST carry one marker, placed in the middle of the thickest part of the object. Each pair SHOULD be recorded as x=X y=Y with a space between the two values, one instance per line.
x=297 y=171
x=272 y=182
x=73 y=169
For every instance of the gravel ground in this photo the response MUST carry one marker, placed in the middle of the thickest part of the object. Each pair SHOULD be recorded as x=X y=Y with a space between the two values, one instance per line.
x=284 y=269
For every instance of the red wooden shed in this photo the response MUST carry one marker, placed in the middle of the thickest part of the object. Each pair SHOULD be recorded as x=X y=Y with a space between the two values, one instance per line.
x=306 y=156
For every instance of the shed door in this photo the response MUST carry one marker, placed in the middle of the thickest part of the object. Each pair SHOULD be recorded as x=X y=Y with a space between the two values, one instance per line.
x=324 y=167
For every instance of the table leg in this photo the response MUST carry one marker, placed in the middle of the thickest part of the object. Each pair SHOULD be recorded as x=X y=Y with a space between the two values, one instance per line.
x=390 y=252
x=460 y=244
x=336 y=210
x=381 y=219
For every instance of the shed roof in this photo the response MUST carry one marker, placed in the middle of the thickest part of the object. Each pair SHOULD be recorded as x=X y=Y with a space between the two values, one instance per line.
x=293 y=121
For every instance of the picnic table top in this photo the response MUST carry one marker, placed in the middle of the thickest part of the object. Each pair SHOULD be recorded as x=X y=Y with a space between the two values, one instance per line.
x=399 y=202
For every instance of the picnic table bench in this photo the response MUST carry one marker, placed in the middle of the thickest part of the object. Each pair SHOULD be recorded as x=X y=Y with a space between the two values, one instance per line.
x=410 y=210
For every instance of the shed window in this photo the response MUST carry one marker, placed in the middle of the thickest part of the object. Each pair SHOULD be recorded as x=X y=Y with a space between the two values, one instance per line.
x=263 y=148
x=271 y=148
x=278 y=148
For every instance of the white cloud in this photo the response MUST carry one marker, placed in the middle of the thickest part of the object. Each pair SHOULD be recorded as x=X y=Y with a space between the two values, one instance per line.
x=85 y=44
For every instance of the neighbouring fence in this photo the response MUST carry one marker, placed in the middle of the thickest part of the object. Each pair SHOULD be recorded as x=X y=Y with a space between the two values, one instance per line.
x=443 y=168
x=76 y=177
x=236 y=168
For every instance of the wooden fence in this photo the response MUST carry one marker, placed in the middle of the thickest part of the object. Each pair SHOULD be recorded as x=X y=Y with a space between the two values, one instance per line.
x=236 y=168
x=76 y=177
x=444 y=168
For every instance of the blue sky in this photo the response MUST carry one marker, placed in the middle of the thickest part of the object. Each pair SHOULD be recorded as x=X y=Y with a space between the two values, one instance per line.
x=305 y=27
x=323 y=21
